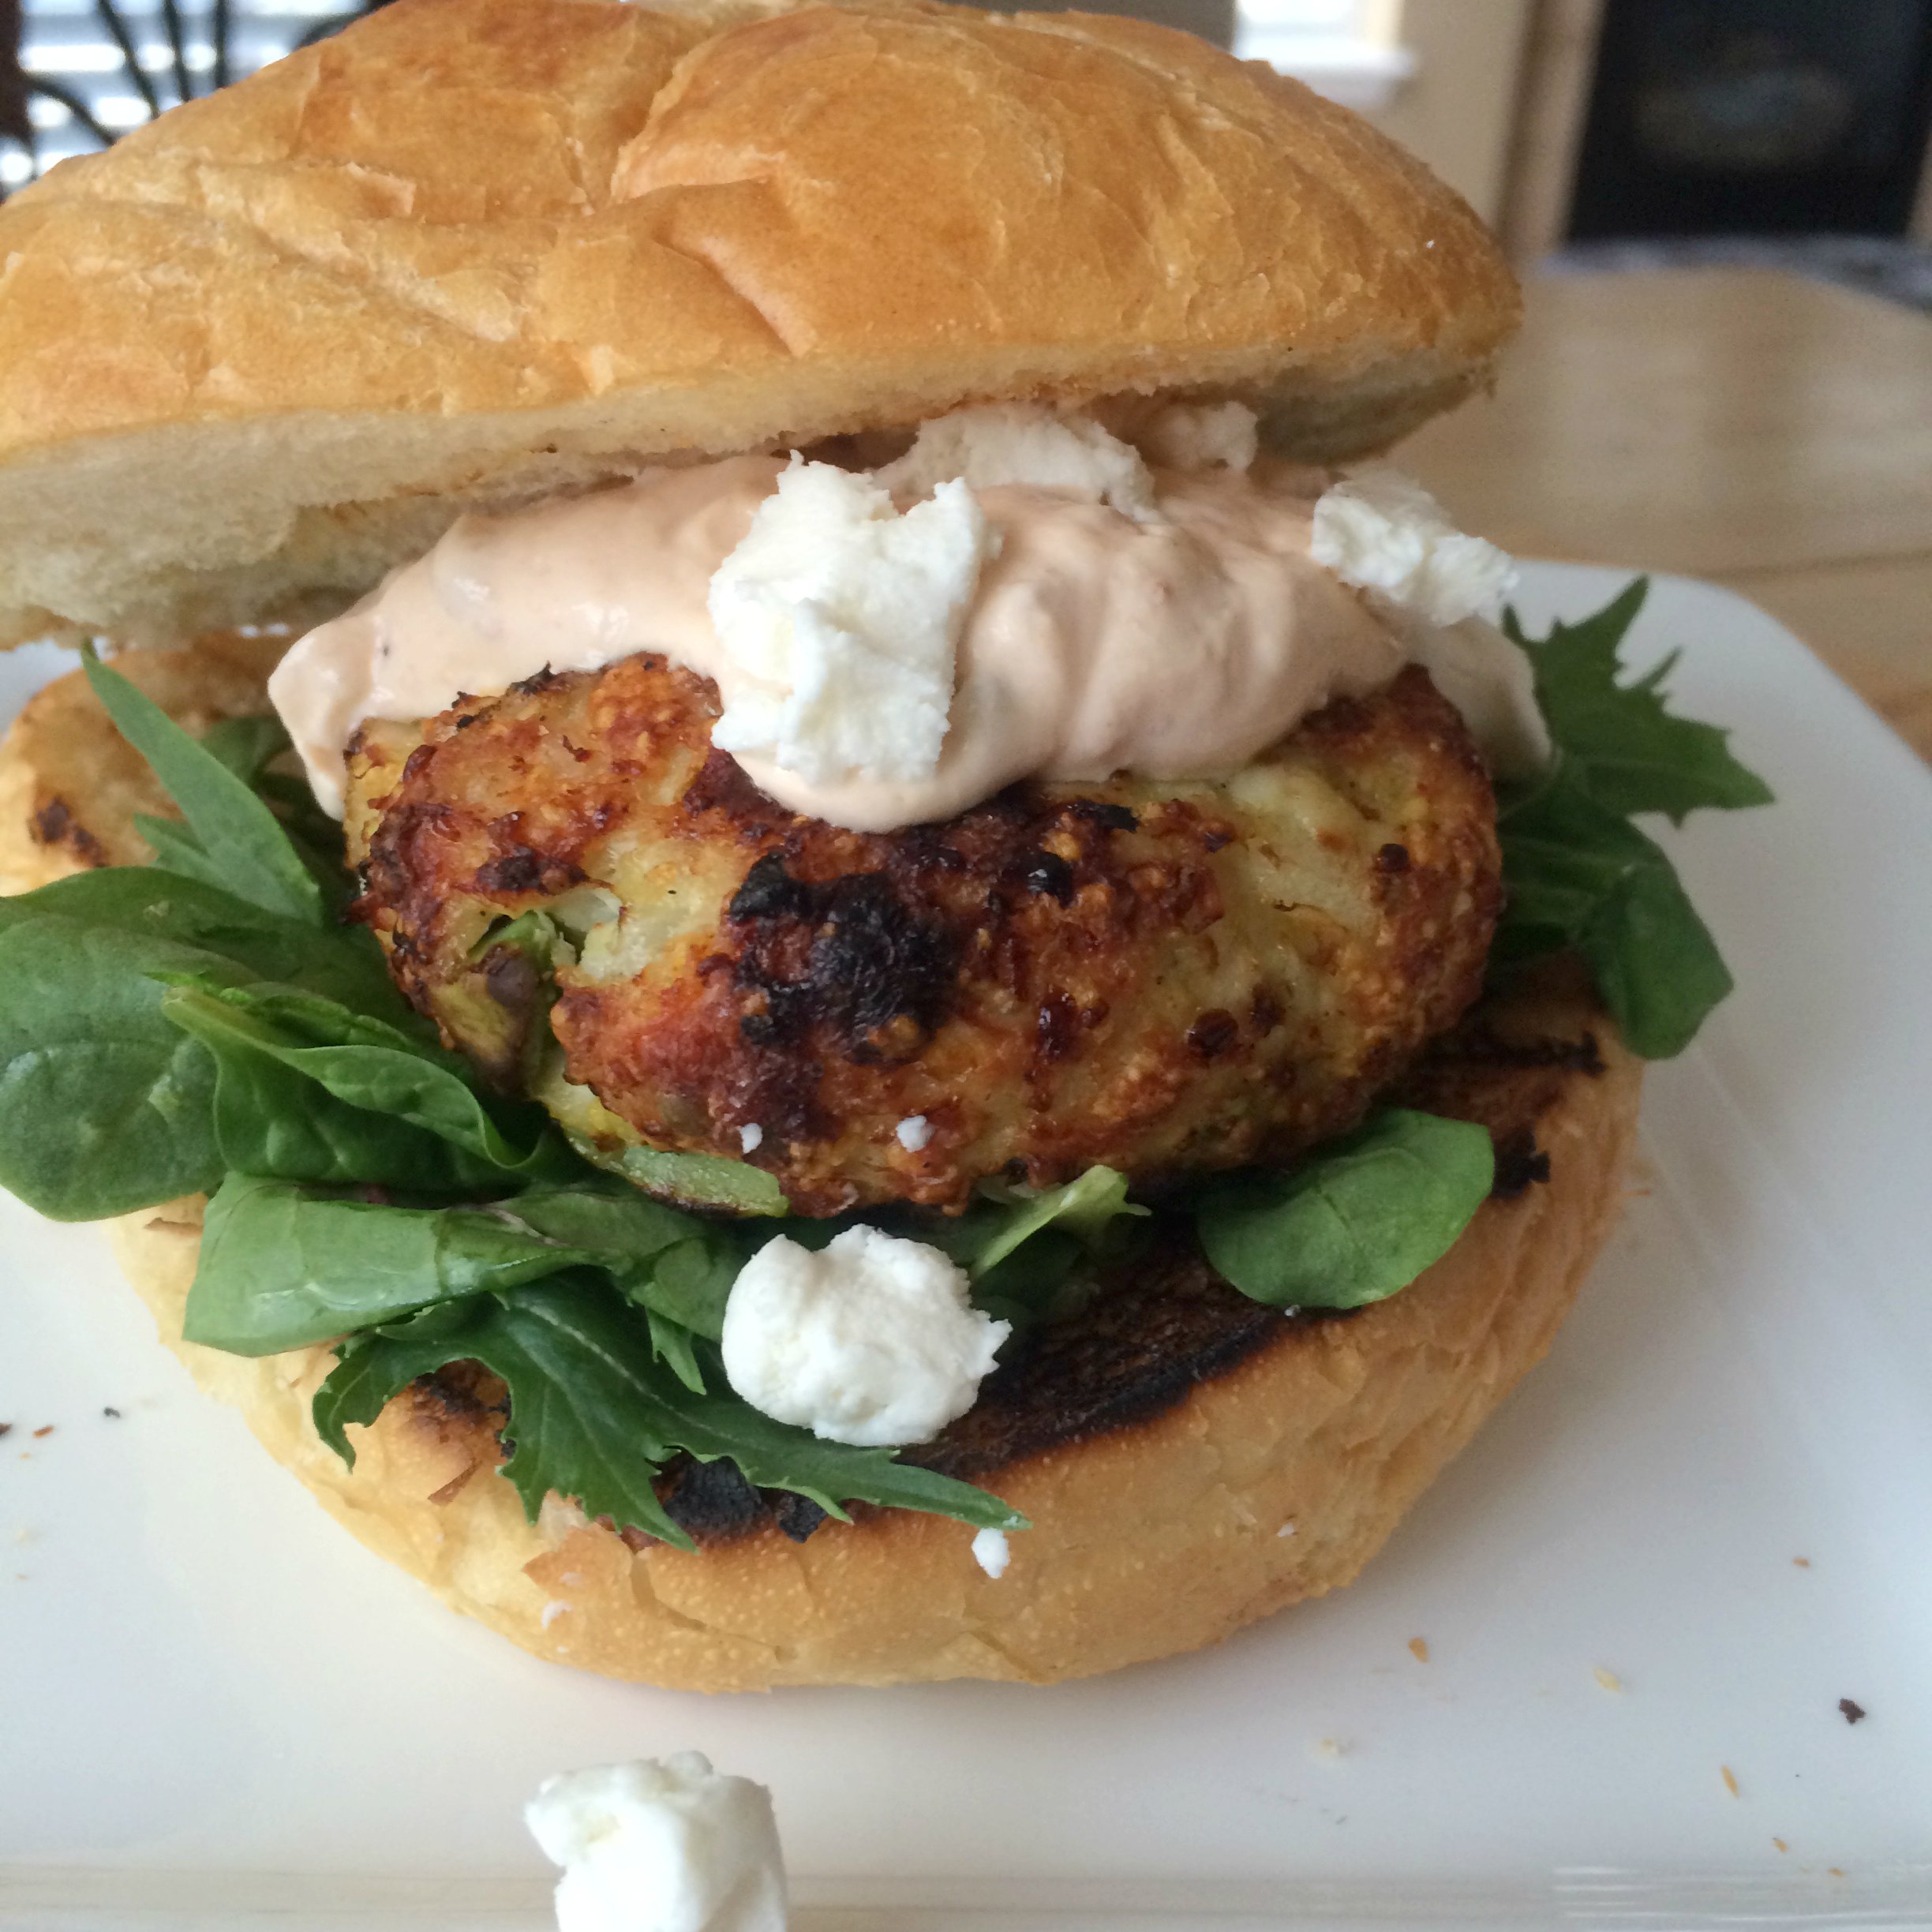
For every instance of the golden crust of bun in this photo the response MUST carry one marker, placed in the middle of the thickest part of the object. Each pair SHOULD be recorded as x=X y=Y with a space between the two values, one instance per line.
x=1147 y=1541
x=469 y=252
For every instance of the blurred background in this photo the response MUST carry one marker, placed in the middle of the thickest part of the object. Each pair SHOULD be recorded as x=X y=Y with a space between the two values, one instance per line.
x=1582 y=123
x=1723 y=209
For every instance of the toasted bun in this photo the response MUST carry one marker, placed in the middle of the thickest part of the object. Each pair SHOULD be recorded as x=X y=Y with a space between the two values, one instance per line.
x=473 y=252
x=1158 y=1499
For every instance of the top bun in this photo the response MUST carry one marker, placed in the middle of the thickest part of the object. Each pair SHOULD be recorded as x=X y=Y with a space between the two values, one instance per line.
x=470 y=253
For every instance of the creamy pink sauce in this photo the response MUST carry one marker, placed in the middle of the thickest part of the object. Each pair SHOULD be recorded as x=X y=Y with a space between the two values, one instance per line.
x=1178 y=647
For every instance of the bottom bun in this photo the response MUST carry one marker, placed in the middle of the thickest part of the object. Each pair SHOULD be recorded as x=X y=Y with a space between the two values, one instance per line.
x=1163 y=1444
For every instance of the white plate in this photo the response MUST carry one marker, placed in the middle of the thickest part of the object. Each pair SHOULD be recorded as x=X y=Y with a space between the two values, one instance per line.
x=218 y=1711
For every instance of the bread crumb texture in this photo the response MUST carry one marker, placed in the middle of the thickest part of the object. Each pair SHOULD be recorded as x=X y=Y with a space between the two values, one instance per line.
x=468 y=252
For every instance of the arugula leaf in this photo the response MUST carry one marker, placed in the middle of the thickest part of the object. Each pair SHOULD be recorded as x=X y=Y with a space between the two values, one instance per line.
x=1617 y=742
x=1576 y=872
x=1084 y=1207
x=1028 y=1255
x=1356 y=1223
x=233 y=841
x=394 y=1107
x=594 y=1415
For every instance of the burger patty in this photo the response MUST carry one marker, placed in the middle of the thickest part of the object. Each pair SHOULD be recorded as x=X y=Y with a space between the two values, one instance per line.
x=1160 y=977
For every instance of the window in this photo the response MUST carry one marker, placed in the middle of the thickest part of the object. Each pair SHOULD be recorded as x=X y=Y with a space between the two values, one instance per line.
x=78 y=72
x=88 y=82
x=1349 y=49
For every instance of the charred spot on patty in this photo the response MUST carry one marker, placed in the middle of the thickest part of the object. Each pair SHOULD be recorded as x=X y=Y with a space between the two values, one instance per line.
x=849 y=957
x=1161 y=977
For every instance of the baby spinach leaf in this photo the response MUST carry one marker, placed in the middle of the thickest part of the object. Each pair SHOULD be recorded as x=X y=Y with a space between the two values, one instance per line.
x=283 y=1266
x=233 y=840
x=594 y=1416
x=391 y=1088
x=1355 y=1223
x=346 y=964
x=104 y=1107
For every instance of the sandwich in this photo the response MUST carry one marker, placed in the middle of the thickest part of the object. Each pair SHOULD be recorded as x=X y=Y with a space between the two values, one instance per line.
x=795 y=918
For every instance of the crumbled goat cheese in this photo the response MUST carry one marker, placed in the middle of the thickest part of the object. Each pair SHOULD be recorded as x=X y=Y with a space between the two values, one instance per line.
x=1022 y=443
x=992 y=1552
x=845 y=614
x=1201 y=435
x=1382 y=533
x=915 y=1132
x=871 y=1341
x=751 y=1139
x=669 y=1847
x=1433 y=585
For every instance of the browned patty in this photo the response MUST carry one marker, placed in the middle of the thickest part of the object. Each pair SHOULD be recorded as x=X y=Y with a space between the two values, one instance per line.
x=1161 y=977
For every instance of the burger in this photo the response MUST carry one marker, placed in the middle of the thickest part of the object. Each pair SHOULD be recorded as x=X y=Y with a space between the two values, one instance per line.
x=800 y=926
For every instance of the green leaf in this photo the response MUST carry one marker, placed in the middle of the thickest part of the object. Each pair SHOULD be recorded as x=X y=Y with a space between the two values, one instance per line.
x=1357 y=1223
x=144 y=901
x=247 y=745
x=677 y=1348
x=1082 y=1208
x=689 y=1282
x=405 y=1111
x=1619 y=742
x=237 y=844
x=283 y=1267
x=594 y=1416
x=104 y=1107
x=1577 y=874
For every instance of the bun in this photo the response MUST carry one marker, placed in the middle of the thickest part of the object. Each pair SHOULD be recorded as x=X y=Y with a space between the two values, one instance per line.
x=1150 y=1539
x=470 y=253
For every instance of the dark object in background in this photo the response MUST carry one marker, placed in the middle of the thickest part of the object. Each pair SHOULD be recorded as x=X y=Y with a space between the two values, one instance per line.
x=208 y=33
x=1756 y=116
x=14 y=126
